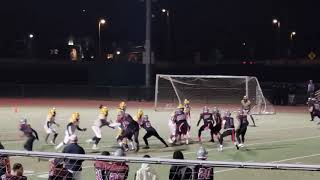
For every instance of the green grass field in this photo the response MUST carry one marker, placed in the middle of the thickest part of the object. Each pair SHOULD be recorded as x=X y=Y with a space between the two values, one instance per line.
x=287 y=137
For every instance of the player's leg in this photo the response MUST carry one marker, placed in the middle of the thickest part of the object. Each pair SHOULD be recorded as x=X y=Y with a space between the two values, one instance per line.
x=145 y=138
x=47 y=137
x=160 y=138
x=238 y=134
x=211 y=132
x=243 y=133
x=136 y=139
x=29 y=143
x=64 y=142
x=200 y=132
x=96 y=139
x=252 y=119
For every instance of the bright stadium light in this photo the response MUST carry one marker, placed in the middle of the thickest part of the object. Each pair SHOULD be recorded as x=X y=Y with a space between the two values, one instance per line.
x=102 y=21
x=275 y=21
x=118 y=52
x=164 y=10
x=31 y=36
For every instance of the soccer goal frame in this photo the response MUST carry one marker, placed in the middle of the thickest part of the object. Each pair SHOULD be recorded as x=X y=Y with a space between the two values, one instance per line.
x=246 y=79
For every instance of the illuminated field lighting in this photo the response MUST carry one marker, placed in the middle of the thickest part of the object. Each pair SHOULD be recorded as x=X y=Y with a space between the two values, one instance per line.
x=275 y=21
x=31 y=36
x=118 y=52
x=102 y=21
x=164 y=10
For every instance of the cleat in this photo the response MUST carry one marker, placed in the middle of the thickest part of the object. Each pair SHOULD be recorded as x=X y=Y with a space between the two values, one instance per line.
x=212 y=140
x=241 y=145
x=187 y=141
x=94 y=147
x=237 y=146
x=147 y=147
x=90 y=141
x=220 y=149
x=53 y=143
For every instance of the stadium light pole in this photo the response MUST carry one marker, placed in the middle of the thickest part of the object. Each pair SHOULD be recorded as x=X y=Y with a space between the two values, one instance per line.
x=101 y=22
x=148 y=42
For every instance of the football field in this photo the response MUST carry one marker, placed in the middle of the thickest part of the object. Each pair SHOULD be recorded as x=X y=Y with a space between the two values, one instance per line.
x=286 y=137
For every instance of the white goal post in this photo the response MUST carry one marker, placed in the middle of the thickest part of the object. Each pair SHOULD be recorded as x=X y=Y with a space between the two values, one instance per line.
x=210 y=90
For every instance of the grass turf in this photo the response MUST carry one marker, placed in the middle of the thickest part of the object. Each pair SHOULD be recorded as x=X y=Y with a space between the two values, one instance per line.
x=281 y=138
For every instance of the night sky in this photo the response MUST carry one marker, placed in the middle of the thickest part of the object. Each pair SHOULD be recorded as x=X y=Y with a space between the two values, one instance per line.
x=196 y=25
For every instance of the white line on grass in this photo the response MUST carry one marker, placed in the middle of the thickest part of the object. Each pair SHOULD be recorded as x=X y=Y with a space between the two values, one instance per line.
x=254 y=144
x=279 y=161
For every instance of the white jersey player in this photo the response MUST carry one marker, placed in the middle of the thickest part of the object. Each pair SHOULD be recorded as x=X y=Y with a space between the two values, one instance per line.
x=71 y=129
x=49 y=126
x=100 y=122
x=172 y=127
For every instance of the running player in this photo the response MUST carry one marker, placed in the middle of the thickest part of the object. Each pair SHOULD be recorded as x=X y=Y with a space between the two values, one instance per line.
x=208 y=123
x=145 y=124
x=28 y=132
x=246 y=105
x=71 y=129
x=203 y=172
x=49 y=126
x=181 y=124
x=98 y=124
x=228 y=129
x=242 y=128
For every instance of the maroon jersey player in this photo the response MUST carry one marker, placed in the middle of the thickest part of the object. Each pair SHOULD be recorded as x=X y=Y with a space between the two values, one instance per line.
x=28 y=132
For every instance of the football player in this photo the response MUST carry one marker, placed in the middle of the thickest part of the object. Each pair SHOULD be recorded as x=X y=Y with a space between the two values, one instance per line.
x=228 y=129
x=202 y=172
x=49 y=126
x=173 y=128
x=71 y=129
x=28 y=132
x=208 y=123
x=242 y=127
x=182 y=126
x=314 y=108
x=246 y=106
x=145 y=124
x=100 y=122
x=129 y=128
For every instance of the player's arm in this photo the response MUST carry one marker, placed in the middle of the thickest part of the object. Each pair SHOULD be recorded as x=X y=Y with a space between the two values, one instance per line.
x=54 y=122
x=81 y=129
x=48 y=124
x=35 y=133
x=69 y=130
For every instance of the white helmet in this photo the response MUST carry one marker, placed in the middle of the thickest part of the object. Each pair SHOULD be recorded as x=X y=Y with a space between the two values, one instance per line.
x=119 y=152
x=23 y=121
x=202 y=153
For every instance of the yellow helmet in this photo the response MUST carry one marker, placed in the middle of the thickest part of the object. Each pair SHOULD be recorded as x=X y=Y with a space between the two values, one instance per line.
x=186 y=101
x=52 y=111
x=104 y=110
x=75 y=117
x=122 y=105
x=180 y=106
x=139 y=113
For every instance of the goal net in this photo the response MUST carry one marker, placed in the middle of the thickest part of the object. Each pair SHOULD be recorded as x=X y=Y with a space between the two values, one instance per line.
x=211 y=90
x=57 y=166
